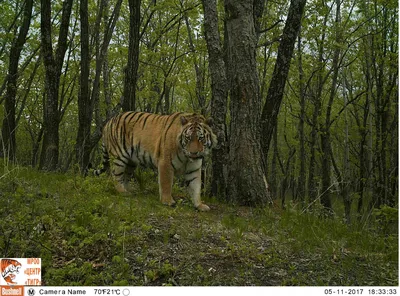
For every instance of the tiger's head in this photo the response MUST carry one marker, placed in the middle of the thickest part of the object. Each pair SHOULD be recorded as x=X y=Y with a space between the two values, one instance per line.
x=196 y=138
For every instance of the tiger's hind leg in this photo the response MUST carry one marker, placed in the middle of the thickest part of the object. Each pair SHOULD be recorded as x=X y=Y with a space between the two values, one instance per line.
x=106 y=162
x=121 y=173
x=129 y=175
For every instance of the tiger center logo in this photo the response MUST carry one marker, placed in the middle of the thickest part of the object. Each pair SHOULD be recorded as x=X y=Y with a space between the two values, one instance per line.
x=9 y=269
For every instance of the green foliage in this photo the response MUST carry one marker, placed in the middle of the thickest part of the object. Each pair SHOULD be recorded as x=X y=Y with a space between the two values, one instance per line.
x=87 y=234
x=387 y=219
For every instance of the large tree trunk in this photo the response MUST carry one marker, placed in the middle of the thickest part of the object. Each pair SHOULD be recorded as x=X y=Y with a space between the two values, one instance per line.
x=219 y=90
x=9 y=124
x=273 y=101
x=53 y=66
x=248 y=185
x=129 y=98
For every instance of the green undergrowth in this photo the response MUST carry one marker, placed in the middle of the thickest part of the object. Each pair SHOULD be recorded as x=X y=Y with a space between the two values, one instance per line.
x=87 y=234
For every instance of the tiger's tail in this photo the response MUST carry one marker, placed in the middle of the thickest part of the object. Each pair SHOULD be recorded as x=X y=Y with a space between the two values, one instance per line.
x=106 y=162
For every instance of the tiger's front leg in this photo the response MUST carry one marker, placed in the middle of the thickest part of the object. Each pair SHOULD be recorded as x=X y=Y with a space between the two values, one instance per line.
x=193 y=179
x=165 y=180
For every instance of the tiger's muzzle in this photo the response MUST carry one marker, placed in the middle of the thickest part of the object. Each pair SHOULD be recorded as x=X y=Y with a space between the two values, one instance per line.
x=195 y=155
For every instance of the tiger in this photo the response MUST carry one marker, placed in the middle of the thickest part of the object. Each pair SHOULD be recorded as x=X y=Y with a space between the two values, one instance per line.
x=173 y=144
x=8 y=267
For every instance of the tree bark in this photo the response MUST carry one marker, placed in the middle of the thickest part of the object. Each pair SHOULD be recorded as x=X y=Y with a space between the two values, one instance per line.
x=88 y=100
x=345 y=184
x=312 y=187
x=273 y=179
x=273 y=101
x=316 y=99
x=8 y=147
x=84 y=108
x=325 y=128
x=301 y=191
x=129 y=98
x=53 y=66
x=199 y=70
x=219 y=89
x=248 y=185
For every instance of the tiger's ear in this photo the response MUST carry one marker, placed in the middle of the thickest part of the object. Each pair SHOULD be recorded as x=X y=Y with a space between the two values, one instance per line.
x=210 y=121
x=184 y=120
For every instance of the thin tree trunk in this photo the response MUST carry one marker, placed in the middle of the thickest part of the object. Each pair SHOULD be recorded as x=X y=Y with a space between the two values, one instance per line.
x=273 y=101
x=8 y=129
x=200 y=93
x=35 y=146
x=345 y=183
x=89 y=100
x=347 y=201
x=301 y=192
x=315 y=127
x=28 y=87
x=325 y=130
x=286 y=174
x=273 y=180
x=106 y=74
x=312 y=184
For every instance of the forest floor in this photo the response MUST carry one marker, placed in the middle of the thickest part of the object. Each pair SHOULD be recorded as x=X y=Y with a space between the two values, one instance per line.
x=87 y=234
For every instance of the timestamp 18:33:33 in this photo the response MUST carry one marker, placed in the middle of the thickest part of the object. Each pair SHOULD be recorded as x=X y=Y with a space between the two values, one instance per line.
x=361 y=291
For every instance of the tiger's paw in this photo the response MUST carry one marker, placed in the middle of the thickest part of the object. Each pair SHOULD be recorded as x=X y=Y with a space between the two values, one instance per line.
x=169 y=202
x=121 y=188
x=203 y=207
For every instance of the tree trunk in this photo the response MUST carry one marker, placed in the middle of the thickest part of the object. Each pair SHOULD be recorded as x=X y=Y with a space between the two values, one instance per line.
x=53 y=67
x=316 y=96
x=325 y=129
x=301 y=192
x=347 y=201
x=248 y=185
x=273 y=101
x=199 y=70
x=385 y=79
x=285 y=170
x=273 y=180
x=84 y=110
x=88 y=101
x=8 y=147
x=219 y=90
x=363 y=157
x=36 y=146
x=312 y=184
x=129 y=98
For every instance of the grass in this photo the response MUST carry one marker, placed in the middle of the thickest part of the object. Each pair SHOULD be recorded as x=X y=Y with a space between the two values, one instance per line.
x=87 y=234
